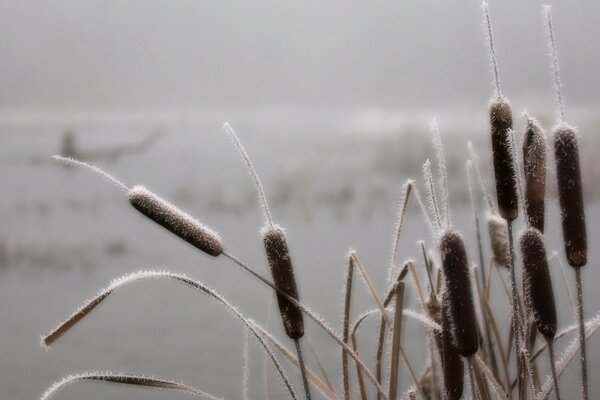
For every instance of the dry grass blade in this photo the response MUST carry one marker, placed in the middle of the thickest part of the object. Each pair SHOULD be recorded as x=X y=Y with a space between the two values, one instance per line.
x=324 y=387
x=319 y=363
x=403 y=206
x=123 y=379
x=568 y=355
x=318 y=320
x=489 y=375
x=370 y=286
x=246 y=367
x=137 y=276
x=396 y=337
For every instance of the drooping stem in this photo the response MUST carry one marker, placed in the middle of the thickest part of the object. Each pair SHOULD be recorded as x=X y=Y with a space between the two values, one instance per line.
x=553 y=368
x=302 y=369
x=584 y=375
x=315 y=318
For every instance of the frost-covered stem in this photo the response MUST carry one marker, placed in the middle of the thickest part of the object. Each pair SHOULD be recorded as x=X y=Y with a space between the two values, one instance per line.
x=492 y=44
x=262 y=199
x=443 y=172
x=345 y=328
x=584 y=375
x=553 y=367
x=302 y=369
x=320 y=323
x=73 y=162
x=555 y=66
x=474 y=393
x=486 y=327
x=246 y=371
x=431 y=194
x=516 y=315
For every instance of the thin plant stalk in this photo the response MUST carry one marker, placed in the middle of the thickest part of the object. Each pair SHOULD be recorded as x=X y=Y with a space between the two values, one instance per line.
x=580 y=316
x=302 y=369
x=553 y=368
x=320 y=323
x=396 y=338
x=345 y=328
x=474 y=392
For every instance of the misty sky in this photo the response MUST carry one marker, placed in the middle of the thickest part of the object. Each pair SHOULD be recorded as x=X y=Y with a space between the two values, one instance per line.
x=122 y=54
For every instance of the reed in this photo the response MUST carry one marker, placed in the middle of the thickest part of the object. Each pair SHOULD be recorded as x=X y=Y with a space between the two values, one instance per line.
x=460 y=296
x=452 y=364
x=537 y=288
x=570 y=194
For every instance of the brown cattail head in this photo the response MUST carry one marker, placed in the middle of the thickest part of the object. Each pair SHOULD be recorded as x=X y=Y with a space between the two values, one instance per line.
x=498 y=230
x=174 y=220
x=280 y=262
x=537 y=283
x=534 y=166
x=504 y=166
x=458 y=285
x=452 y=364
x=566 y=153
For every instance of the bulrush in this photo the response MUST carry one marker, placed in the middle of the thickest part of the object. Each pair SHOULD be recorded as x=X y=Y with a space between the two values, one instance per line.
x=452 y=364
x=280 y=262
x=161 y=211
x=539 y=295
x=174 y=220
x=504 y=166
x=566 y=153
x=537 y=283
x=498 y=231
x=460 y=296
x=534 y=166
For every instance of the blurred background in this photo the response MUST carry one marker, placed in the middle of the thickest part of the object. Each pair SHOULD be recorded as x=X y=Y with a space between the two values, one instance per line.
x=333 y=101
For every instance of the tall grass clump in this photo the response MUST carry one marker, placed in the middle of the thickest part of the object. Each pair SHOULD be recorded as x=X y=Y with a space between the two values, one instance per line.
x=461 y=325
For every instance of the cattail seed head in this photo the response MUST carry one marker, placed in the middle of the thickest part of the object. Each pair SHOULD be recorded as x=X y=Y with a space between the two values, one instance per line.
x=174 y=220
x=452 y=364
x=534 y=166
x=537 y=283
x=566 y=153
x=458 y=285
x=280 y=262
x=498 y=230
x=504 y=166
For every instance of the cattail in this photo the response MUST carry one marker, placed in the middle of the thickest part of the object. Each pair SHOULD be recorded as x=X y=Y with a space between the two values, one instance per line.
x=460 y=296
x=452 y=363
x=537 y=283
x=534 y=165
x=160 y=211
x=174 y=220
x=498 y=231
x=566 y=153
x=280 y=262
x=504 y=166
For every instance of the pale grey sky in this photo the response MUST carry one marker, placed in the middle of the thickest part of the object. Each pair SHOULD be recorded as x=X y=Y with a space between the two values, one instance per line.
x=169 y=54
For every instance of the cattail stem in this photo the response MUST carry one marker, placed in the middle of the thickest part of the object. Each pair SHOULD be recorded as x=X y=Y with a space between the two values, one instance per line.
x=474 y=393
x=555 y=66
x=516 y=315
x=302 y=369
x=315 y=318
x=345 y=328
x=584 y=375
x=553 y=367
